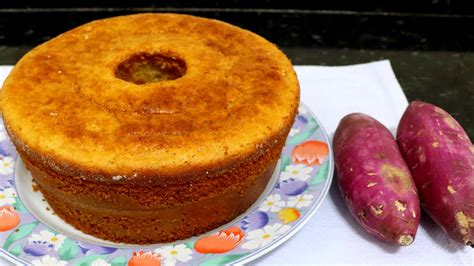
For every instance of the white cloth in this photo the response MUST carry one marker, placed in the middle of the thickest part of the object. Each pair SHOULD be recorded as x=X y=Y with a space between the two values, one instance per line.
x=332 y=236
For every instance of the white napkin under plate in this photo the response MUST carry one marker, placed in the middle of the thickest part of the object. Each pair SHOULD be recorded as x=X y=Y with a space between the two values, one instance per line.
x=332 y=236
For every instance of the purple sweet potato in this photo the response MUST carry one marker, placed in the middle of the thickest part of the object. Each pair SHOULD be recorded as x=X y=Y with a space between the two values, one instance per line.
x=440 y=156
x=375 y=181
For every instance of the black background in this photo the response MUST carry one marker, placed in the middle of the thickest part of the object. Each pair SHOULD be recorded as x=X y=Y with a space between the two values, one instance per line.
x=427 y=25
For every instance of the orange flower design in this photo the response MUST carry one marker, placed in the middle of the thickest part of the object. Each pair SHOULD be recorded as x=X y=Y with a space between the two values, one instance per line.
x=9 y=218
x=220 y=242
x=289 y=215
x=142 y=258
x=310 y=153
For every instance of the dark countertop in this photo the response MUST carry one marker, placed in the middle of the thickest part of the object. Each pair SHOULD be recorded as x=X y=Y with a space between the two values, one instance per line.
x=431 y=53
x=443 y=78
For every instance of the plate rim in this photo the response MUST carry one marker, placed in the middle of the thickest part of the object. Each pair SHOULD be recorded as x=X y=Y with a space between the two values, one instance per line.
x=301 y=222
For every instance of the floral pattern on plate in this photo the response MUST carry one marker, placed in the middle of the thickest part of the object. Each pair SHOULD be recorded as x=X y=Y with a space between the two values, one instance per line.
x=304 y=177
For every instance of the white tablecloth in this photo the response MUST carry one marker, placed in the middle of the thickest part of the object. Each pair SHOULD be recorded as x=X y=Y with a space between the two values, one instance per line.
x=332 y=236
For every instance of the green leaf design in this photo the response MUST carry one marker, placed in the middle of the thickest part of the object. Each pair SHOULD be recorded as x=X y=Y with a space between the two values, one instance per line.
x=119 y=261
x=298 y=138
x=221 y=260
x=312 y=123
x=68 y=250
x=52 y=231
x=321 y=175
x=19 y=206
x=190 y=244
x=16 y=251
x=20 y=232
x=285 y=161
x=87 y=260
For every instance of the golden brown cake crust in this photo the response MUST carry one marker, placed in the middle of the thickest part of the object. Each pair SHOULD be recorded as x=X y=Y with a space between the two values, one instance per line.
x=175 y=157
x=237 y=99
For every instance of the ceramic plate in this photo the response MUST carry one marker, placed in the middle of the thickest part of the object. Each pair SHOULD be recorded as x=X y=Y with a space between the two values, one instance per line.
x=30 y=233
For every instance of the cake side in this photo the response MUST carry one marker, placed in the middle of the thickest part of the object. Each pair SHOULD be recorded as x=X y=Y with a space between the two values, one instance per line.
x=147 y=215
x=148 y=196
x=167 y=225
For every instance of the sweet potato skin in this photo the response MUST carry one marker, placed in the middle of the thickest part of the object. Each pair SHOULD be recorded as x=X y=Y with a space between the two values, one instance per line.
x=440 y=156
x=375 y=181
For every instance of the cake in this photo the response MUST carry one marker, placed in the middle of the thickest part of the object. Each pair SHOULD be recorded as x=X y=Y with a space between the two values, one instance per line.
x=151 y=128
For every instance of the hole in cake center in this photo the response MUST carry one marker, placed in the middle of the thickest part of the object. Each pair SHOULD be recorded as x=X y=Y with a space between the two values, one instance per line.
x=145 y=68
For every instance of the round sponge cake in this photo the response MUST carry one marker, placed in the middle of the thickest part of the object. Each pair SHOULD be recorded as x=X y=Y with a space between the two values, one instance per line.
x=167 y=123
